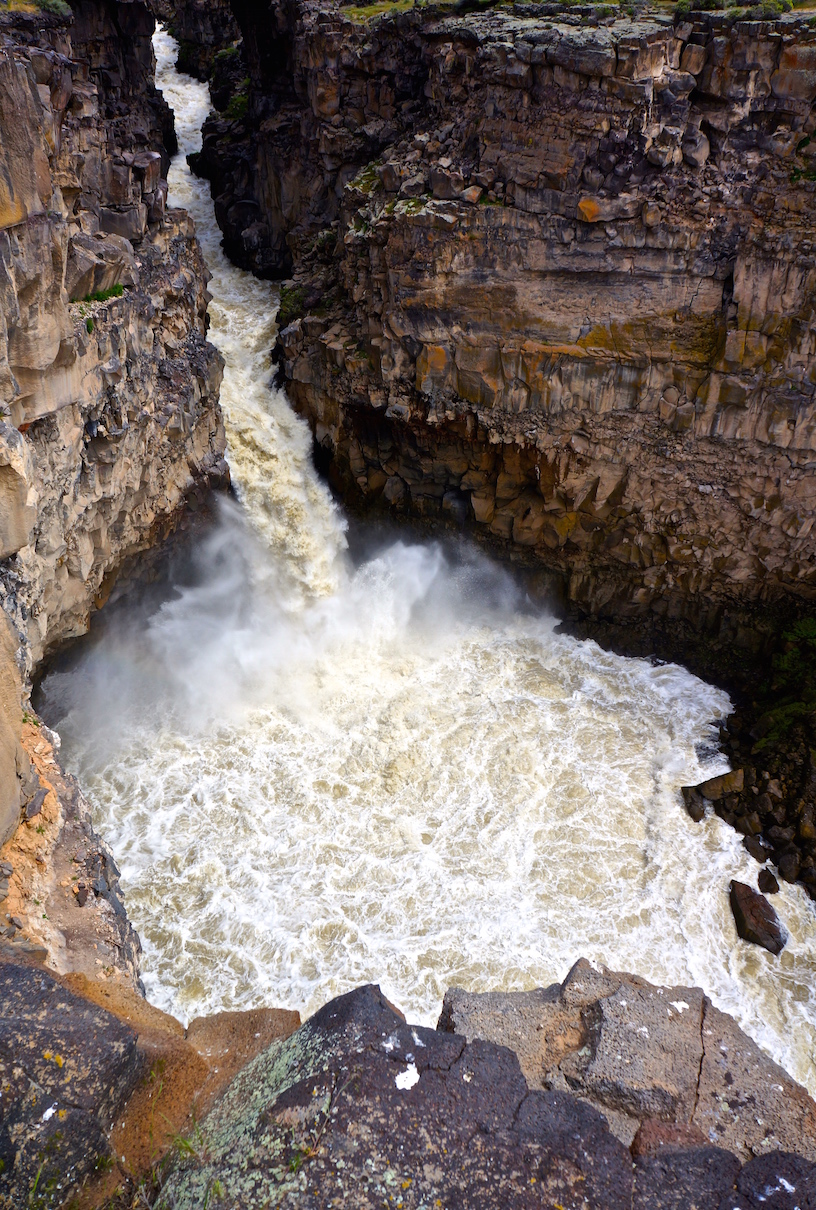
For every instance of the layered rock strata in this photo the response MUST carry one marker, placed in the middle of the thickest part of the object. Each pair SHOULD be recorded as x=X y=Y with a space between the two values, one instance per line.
x=109 y=387
x=553 y=280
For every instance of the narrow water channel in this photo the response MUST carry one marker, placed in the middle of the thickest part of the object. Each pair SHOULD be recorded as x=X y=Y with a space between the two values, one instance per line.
x=316 y=774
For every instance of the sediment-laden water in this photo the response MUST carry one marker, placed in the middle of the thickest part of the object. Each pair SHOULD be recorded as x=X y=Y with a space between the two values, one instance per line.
x=316 y=774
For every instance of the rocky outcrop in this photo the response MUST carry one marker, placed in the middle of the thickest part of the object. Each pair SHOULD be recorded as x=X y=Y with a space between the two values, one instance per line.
x=656 y=1061
x=14 y=765
x=360 y=1108
x=109 y=387
x=67 y=1070
x=203 y=29
x=553 y=281
x=96 y=1084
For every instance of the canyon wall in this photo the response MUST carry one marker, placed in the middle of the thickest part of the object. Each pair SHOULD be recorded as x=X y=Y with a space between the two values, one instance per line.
x=110 y=402
x=553 y=279
x=109 y=417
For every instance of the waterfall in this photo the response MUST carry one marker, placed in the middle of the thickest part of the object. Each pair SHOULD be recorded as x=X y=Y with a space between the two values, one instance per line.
x=317 y=773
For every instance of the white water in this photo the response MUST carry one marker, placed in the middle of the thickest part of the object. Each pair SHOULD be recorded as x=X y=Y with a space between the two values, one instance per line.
x=314 y=775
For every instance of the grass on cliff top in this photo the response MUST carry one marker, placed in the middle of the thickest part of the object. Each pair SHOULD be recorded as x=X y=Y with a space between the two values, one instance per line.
x=57 y=8
x=364 y=12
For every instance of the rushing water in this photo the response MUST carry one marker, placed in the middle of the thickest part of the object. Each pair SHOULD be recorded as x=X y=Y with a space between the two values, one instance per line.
x=315 y=774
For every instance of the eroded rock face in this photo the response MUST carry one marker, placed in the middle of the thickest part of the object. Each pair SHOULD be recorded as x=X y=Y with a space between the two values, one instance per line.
x=202 y=28
x=651 y=1059
x=111 y=406
x=554 y=283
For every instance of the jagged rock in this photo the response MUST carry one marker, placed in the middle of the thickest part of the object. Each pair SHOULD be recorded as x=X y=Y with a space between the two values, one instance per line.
x=358 y=1104
x=694 y=802
x=767 y=883
x=96 y=263
x=638 y=1052
x=755 y=919
x=727 y=783
x=67 y=1068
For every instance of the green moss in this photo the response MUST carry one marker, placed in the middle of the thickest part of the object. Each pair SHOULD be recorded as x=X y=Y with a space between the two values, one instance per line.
x=89 y=325
x=367 y=179
x=365 y=12
x=239 y=104
x=292 y=305
x=791 y=693
x=229 y=52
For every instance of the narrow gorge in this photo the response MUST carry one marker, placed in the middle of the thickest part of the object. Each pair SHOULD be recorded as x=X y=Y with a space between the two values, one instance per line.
x=390 y=397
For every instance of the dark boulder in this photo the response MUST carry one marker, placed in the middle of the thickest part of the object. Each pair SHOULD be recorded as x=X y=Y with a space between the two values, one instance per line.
x=66 y=1069
x=357 y=1108
x=777 y=1181
x=767 y=883
x=694 y=801
x=677 y=1178
x=755 y=846
x=755 y=919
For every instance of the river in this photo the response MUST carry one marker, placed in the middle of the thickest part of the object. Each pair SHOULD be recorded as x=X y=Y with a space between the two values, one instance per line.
x=316 y=772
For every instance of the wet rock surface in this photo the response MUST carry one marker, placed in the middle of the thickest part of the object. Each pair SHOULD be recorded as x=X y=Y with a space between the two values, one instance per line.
x=755 y=919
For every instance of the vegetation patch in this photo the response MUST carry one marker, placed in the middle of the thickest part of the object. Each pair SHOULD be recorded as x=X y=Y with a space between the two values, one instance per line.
x=292 y=305
x=793 y=685
x=239 y=103
x=57 y=8
x=103 y=295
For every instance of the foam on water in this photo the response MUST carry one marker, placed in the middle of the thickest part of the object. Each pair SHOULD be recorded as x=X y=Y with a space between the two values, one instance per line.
x=315 y=775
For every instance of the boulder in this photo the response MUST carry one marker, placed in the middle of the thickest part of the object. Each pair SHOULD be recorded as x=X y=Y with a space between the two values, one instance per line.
x=662 y=1064
x=97 y=262
x=358 y=1107
x=767 y=883
x=755 y=919
x=66 y=1068
x=727 y=783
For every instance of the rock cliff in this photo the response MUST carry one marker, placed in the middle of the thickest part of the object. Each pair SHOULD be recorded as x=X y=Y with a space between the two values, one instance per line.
x=553 y=280
x=202 y=28
x=108 y=387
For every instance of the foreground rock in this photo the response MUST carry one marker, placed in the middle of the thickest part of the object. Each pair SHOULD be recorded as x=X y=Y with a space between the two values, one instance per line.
x=641 y=1054
x=96 y=1083
x=360 y=1109
x=755 y=919
x=67 y=1068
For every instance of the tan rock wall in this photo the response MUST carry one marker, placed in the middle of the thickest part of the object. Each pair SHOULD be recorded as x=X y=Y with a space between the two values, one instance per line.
x=111 y=415
x=13 y=760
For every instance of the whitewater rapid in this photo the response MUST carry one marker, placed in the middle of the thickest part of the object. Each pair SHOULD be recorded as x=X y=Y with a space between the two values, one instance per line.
x=315 y=774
